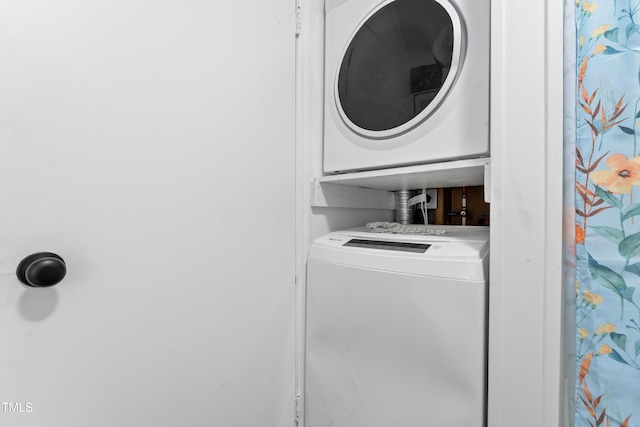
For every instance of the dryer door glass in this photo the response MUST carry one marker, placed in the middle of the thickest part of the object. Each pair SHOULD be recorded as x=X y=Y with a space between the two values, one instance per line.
x=398 y=66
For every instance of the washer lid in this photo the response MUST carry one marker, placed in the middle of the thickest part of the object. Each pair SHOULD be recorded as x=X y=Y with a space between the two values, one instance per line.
x=447 y=257
x=398 y=66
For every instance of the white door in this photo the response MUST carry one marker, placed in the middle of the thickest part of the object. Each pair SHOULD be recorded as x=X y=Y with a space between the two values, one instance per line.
x=150 y=144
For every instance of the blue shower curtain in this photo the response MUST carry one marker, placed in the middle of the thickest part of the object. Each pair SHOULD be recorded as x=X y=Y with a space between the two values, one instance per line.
x=603 y=257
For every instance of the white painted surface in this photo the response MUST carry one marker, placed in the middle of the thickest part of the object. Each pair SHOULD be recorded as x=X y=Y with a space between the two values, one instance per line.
x=455 y=173
x=525 y=308
x=150 y=144
x=326 y=194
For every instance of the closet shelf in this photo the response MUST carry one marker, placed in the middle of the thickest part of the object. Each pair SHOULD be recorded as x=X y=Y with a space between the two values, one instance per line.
x=374 y=189
x=456 y=173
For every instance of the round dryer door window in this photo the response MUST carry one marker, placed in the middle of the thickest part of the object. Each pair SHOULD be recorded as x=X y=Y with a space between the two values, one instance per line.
x=398 y=66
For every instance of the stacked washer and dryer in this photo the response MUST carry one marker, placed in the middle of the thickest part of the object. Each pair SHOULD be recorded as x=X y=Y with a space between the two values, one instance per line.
x=396 y=323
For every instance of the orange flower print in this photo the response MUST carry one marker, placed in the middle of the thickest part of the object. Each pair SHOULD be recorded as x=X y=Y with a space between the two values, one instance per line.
x=605 y=349
x=584 y=367
x=600 y=30
x=583 y=333
x=589 y=7
x=583 y=70
x=594 y=299
x=579 y=235
x=623 y=174
x=607 y=329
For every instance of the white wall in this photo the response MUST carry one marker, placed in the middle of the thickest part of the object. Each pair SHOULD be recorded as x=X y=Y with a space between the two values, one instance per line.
x=152 y=145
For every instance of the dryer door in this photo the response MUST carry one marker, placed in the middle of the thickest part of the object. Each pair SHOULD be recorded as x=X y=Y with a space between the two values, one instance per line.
x=398 y=66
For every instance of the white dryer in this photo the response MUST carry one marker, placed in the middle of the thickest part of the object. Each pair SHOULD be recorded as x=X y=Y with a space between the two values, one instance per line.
x=396 y=329
x=406 y=82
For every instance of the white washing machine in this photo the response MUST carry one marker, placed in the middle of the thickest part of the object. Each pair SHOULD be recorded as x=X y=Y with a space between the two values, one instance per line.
x=396 y=329
x=406 y=82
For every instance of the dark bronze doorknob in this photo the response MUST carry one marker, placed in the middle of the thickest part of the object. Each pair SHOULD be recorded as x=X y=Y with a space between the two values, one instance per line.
x=41 y=270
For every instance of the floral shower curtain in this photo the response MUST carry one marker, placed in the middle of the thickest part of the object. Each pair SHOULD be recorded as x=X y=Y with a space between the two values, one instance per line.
x=606 y=112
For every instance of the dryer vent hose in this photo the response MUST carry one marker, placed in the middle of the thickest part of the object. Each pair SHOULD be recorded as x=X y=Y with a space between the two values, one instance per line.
x=403 y=211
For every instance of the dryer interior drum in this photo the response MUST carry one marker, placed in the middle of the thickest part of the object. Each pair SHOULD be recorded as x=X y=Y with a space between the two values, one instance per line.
x=406 y=82
x=405 y=42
